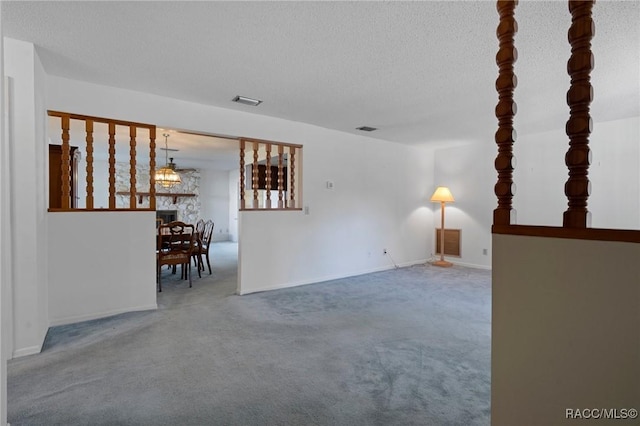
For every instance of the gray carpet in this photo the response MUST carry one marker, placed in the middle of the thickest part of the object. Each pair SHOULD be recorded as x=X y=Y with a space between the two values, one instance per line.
x=409 y=346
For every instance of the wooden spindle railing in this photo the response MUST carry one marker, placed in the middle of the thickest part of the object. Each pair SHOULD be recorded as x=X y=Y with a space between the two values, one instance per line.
x=576 y=220
x=254 y=174
x=112 y=166
x=267 y=176
x=67 y=204
x=280 y=176
x=152 y=167
x=292 y=177
x=579 y=125
x=132 y=167
x=505 y=111
x=89 y=168
x=242 y=175
x=66 y=164
x=285 y=176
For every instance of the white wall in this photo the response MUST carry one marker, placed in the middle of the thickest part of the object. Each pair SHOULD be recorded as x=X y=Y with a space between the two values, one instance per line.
x=6 y=324
x=100 y=264
x=30 y=316
x=565 y=322
x=540 y=175
x=379 y=200
x=214 y=200
x=234 y=197
x=468 y=171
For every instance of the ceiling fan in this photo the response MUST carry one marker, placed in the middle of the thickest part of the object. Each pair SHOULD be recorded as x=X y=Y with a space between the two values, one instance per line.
x=171 y=164
x=174 y=167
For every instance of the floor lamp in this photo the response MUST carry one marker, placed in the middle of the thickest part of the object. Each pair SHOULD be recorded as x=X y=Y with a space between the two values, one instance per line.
x=442 y=196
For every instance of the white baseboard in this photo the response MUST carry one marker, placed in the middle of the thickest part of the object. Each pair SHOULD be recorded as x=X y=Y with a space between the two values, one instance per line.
x=87 y=317
x=471 y=265
x=30 y=350
x=339 y=276
x=328 y=278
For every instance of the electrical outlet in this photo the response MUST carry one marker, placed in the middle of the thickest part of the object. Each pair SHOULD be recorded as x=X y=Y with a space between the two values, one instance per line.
x=384 y=251
x=485 y=251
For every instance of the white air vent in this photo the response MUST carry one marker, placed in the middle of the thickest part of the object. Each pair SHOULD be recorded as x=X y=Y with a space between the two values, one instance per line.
x=247 y=101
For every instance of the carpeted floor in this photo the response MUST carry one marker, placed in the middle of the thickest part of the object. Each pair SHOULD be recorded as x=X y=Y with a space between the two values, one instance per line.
x=409 y=346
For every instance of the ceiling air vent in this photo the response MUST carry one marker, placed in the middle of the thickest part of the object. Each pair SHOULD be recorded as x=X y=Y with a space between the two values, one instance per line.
x=246 y=101
x=366 y=128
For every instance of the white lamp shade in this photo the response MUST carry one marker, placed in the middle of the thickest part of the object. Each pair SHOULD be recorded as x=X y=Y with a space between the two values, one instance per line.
x=442 y=194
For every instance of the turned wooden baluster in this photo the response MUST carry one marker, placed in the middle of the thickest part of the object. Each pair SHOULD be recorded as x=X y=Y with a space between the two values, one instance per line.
x=66 y=164
x=112 y=166
x=292 y=186
x=280 y=176
x=89 y=130
x=254 y=174
x=152 y=168
x=505 y=111
x=579 y=97
x=132 y=167
x=242 y=177
x=267 y=178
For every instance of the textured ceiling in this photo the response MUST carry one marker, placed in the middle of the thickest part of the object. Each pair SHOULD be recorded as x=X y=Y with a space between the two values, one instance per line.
x=421 y=72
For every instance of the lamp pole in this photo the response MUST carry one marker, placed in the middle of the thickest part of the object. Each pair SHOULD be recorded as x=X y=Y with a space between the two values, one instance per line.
x=442 y=203
x=442 y=195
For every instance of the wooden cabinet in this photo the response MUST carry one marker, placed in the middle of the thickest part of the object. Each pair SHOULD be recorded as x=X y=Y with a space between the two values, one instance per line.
x=55 y=176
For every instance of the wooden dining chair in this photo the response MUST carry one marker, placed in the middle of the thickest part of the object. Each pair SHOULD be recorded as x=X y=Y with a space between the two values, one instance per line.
x=203 y=244
x=176 y=242
x=200 y=226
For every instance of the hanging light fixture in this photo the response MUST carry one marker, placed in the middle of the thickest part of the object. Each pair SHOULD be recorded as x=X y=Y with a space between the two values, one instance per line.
x=166 y=176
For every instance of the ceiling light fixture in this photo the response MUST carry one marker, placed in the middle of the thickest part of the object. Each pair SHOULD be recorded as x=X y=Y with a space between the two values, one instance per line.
x=166 y=176
x=247 y=101
x=366 y=128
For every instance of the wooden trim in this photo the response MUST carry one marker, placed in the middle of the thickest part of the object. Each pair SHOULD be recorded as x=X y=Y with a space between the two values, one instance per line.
x=98 y=210
x=505 y=112
x=579 y=126
x=292 y=177
x=132 y=166
x=265 y=141
x=99 y=119
x=267 y=176
x=280 y=177
x=112 y=165
x=152 y=168
x=89 y=168
x=173 y=195
x=66 y=164
x=254 y=174
x=596 y=234
x=274 y=150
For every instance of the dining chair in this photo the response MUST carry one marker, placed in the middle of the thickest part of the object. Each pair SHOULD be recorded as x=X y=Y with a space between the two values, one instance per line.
x=200 y=226
x=203 y=244
x=176 y=242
